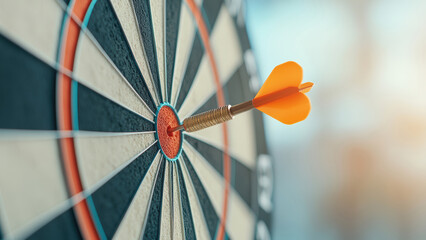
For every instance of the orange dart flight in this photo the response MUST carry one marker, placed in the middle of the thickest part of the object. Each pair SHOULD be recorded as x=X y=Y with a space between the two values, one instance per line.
x=282 y=97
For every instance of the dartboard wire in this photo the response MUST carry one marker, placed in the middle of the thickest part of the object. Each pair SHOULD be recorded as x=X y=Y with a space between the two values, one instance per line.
x=165 y=50
x=196 y=34
x=156 y=91
x=156 y=98
x=171 y=165
x=179 y=197
x=198 y=202
x=150 y=197
x=62 y=70
x=174 y=101
x=178 y=93
x=86 y=31
x=18 y=134
x=180 y=171
x=69 y=203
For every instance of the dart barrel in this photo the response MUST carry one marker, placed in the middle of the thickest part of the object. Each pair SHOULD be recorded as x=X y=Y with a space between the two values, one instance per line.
x=208 y=119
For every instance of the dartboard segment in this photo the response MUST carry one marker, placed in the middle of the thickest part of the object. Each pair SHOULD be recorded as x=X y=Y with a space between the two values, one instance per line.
x=112 y=154
x=127 y=18
x=166 y=225
x=106 y=29
x=192 y=207
x=185 y=42
x=153 y=221
x=37 y=176
x=94 y=69
x=33 y=24
x=172 y=12
x=113 y=198
x=131 y=226
x=27 y=104
x=177 y=214
x=158 y=26
x=104 y=115
x=144 y=19
x=242 y=175
x=206 y=200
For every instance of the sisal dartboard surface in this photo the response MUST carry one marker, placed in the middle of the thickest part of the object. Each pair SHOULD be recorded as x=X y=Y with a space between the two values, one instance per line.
x=82 y=85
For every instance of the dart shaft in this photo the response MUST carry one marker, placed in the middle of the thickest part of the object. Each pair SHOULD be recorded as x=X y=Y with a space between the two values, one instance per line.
x=226 y=113
x=212 y=117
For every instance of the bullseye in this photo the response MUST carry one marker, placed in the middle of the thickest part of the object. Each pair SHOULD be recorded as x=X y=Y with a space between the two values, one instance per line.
x=170 y=143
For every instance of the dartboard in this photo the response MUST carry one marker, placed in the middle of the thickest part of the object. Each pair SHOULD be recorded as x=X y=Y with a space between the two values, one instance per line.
x=88 y=89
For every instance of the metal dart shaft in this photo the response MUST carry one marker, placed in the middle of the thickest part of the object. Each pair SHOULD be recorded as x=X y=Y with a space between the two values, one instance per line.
x=212 y=117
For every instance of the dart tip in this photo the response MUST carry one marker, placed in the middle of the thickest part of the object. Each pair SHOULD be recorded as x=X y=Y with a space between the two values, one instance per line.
x=171 y=130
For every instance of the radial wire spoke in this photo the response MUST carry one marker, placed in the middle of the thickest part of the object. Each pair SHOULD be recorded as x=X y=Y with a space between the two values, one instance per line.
x=144 y=19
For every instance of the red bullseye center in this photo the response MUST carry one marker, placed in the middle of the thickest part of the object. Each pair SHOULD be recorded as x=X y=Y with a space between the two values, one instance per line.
x=170 y=143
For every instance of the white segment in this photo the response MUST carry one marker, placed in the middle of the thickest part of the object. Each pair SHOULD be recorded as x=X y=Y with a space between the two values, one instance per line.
x=165 y=225
x=202 y=88
x=31 y=182
x=200 y=225
x=35 y=25
x=132 y=224
x=228 y=57
x=178 y=231
x=241 y=137
x=99 y=157
x=239 y=217
x=158 y=23
x=211 y=180
x=95 y=71
x=183 y=50
x=125 y=13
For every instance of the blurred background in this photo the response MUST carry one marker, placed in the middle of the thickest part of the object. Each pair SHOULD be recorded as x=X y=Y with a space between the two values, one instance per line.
x=356 y=168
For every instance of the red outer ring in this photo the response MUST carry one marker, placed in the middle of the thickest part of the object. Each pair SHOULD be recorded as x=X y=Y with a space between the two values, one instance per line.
x=68 y=43
x=221 y=101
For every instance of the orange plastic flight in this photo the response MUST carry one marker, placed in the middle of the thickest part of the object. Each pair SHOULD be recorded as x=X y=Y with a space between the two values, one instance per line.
x=282 y=96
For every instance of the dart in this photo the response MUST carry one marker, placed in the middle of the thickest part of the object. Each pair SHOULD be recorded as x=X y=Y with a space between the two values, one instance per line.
x=282 y=97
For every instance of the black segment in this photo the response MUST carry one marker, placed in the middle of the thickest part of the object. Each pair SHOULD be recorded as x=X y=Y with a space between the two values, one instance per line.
x=186 y=208
x=63 y=226
x=211 y=10
x=194 y=61
x=242 y=176
x=143 y=16
x=243 y=36
x=106 y=28
x=235 y=90
x=243 y=181
x=152 y=227
x=113 y=199
x=172 y=28
x=210 y=215
x=209 y=105
x=27 y=89
x=1 y=233
x=97 y=113
x=213 y=155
